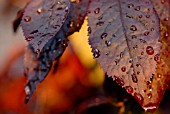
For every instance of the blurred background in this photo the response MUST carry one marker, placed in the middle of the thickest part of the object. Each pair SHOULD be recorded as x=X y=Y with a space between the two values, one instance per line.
x=79 y=86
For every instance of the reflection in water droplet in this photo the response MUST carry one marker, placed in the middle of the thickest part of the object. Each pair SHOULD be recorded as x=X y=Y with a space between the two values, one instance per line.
x=96 y=53
x=27 y=18
x=104 y=35
x=133 y=28
x=97 y=11
x=149 y=50
x=129 y=89
x=138 y=97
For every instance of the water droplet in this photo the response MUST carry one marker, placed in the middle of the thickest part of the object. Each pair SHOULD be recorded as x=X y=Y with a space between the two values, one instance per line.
x=96 y=53
x=39 y=10
x=162 y=1
x=116 y=61
x=137 y=64
x=149 y=50
x=37 y=51
x=159 y=75
x=100 y=23
x=138 y=72
x=129 y=89
x=146 y=33
x=130 y=60
x=104 y=35
x=89 y=30
x=147 y=16
x=134 y=78
x=123 y=69
x=134 y=36
x=157 y=57
x=121 y=54
x=39 y=43
x=59 y=8
x=97 y=11
x=27 y=19
x=151 y=107
x=152 y=29
x=137 y=8
x=108 y=43
x=27 y=90
x=29 y=38
x=140 y=16
x=119 y=81
x=166 y=19
x=166 y=35
x=138 y=97
x=130 y=5
x=133 y=28
x=149 y=95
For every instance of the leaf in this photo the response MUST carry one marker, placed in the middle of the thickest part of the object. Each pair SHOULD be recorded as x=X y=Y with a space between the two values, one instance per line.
x=124 y=39
x=17 y=20
x=42 y=19
x=37 y=68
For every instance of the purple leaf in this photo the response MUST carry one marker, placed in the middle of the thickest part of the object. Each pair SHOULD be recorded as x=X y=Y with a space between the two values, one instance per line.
x=124 y=39
x=37 y=67
x=42 y=19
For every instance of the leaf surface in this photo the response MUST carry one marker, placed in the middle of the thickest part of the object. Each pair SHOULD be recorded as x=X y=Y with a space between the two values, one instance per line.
x=37 y=68
x=42 y=19
x=124 y=39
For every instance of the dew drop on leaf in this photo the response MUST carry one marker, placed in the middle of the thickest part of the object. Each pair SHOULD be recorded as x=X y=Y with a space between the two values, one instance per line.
x=138 y=97
x=97 y=10
x=123 y=69
x=137 y=8
x=89 y=30
x=27 y=19
x=134 y=78
x=149 y=95
x=96 y=53
x=149 y=50
x=129 y=89
x=104 y=35
x=39 y=10
x=130 y=5
x=133 y=28
x=108 y=43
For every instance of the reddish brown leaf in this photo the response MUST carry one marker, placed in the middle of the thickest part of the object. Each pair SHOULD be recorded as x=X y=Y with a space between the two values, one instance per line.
x=42 y=19
x=124 y=37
